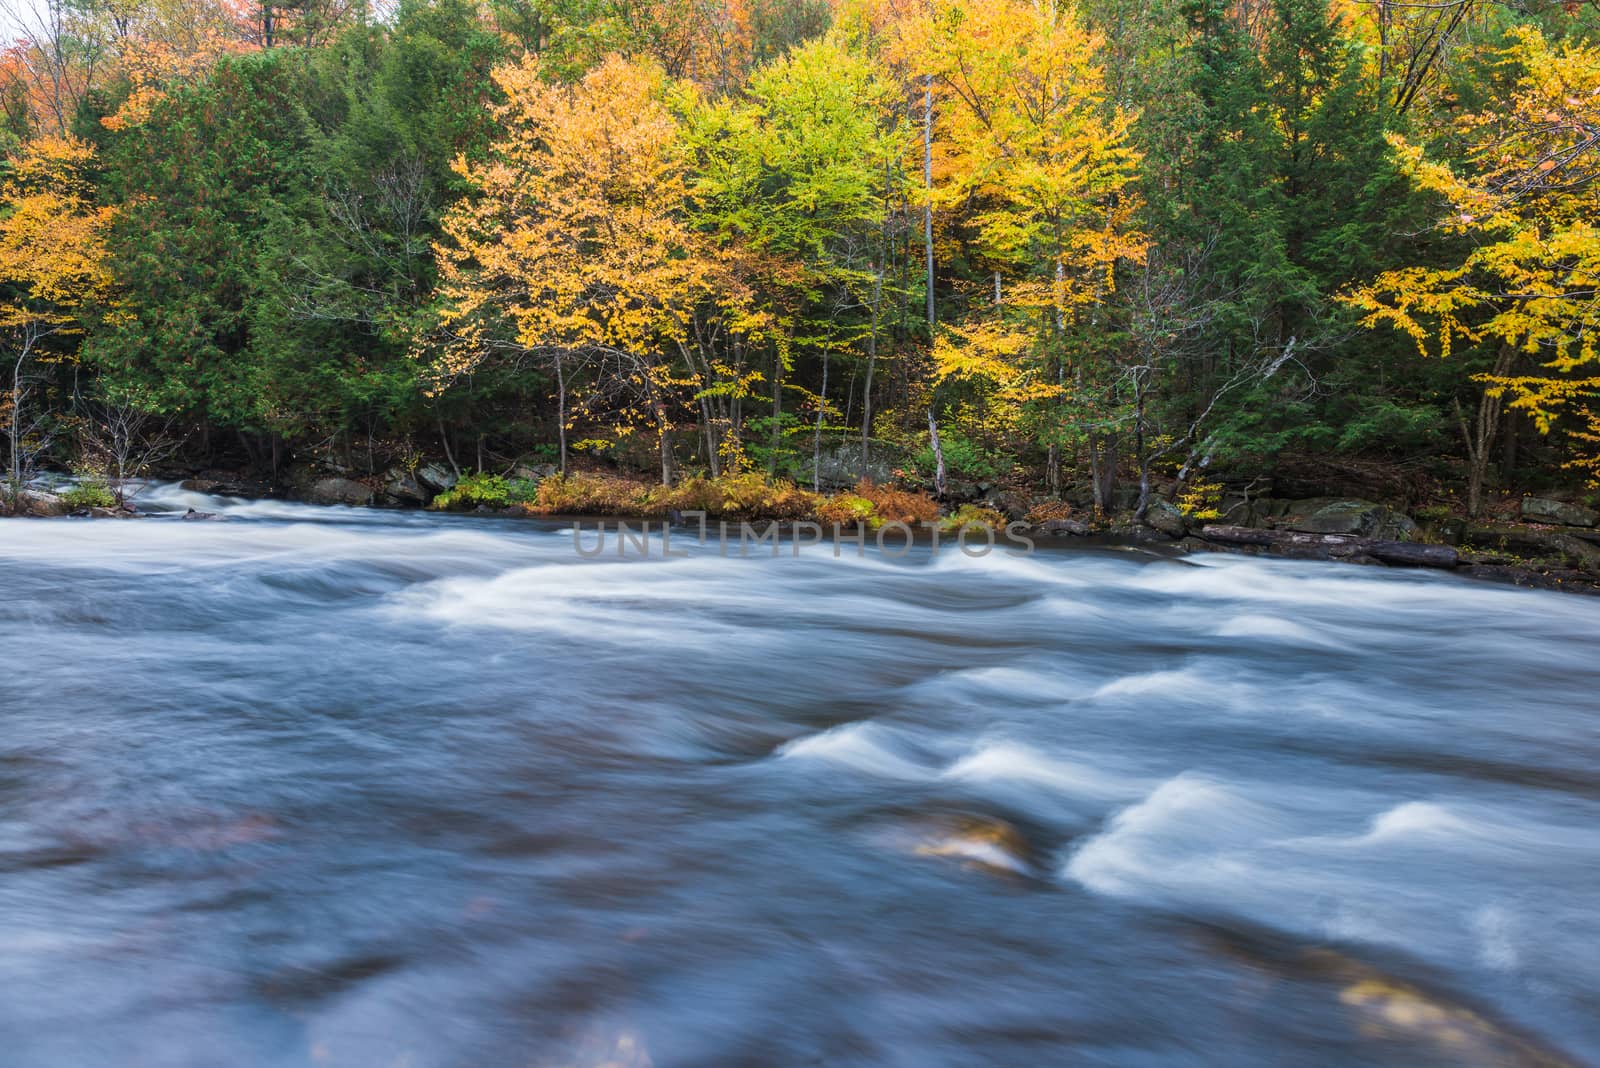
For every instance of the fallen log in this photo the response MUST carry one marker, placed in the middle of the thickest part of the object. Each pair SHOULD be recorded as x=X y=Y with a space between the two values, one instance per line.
x=1333 y=546
x=1412 y=554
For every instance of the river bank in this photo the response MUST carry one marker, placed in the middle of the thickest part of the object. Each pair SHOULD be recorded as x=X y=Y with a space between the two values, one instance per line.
x=1556 y=546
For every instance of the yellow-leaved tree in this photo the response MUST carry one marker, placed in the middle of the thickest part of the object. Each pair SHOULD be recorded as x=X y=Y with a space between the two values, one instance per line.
x=52 y=263
x=1525 y=203
x=572 y=247
x=1031 y=169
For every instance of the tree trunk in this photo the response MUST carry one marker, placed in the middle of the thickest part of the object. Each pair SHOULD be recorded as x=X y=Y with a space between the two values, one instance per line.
x=816 y=434
x=1478 y=435
x=664 y=439
x=1105 y=472
x=561 y=413
x=872 y=363
x=927 y=182
x=1510 y=426
x=938 y=455
x=777 y=412
x=1141 y=451
x=444 y=439
x=15 y=430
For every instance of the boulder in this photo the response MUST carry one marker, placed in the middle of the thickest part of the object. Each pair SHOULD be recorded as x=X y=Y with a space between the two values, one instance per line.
x=227 y=487
x=404 y=488
x=533 y=472
x=1124 y=498
x=1237 y=511
x=1063 y=527
x=1162 y=515
x=1545 y=510
x=840 y=466
x=41 y=504
x=435 y=478
x=1348 y=515
x=1349 y=547
x=1532 y=543
x=339 y=491
x=1011 y=505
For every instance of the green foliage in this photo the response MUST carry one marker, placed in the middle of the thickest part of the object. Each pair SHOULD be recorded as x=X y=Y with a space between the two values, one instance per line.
x=972 y=515
x=89 y=492
x=963 y=457
x=479 y=489
x=848 y=510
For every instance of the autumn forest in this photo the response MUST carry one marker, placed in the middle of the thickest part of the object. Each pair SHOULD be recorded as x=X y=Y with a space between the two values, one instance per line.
x=1093 y=250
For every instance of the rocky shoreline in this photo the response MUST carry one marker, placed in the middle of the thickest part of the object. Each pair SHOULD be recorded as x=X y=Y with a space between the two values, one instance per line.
x=1556 y=546
x=1543 y=553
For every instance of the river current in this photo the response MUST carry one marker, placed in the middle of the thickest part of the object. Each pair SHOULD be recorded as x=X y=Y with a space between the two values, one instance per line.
x=337 y=787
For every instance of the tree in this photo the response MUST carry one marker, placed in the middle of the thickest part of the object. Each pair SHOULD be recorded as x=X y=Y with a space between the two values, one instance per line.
x=793 y=173
x=1526 y=199
x=52 y=263
x=573 y=244
x=1039 y=171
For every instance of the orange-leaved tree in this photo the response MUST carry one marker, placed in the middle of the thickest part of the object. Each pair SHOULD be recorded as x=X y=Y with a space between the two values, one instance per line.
x=52 y=263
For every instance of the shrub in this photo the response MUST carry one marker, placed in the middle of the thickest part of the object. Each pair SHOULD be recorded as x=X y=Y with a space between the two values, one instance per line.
x=746 y=496
x=963 y=457
x=847 y=509
x=577 y=494
x=89 y=493
x=473 y=490
x=1201 y=500
x=891 y=504
x=1045 y=511
x=972 y=515
x=1433 y=513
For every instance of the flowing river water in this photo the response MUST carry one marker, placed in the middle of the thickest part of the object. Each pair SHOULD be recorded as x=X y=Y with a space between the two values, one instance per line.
x=338 y=787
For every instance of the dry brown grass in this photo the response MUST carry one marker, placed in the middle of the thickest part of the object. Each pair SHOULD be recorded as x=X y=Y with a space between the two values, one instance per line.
x=892 y=504
x=1045 y=511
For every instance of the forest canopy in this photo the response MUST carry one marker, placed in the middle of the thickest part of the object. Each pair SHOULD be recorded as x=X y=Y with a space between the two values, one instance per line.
x=1052 y=245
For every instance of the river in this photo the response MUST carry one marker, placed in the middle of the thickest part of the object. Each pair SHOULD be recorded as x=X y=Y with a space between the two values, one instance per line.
x=321 y=786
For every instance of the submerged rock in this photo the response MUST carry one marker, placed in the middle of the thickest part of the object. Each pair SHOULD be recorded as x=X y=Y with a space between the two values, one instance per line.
x=981 y=843
x=1389 y=1008
x=1386 y=1008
